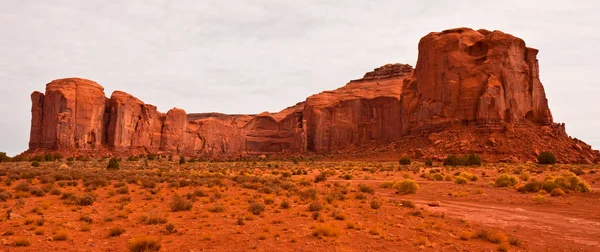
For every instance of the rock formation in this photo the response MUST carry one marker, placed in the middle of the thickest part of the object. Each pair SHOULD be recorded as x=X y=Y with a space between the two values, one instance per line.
x=471 y=91
x=465 y=76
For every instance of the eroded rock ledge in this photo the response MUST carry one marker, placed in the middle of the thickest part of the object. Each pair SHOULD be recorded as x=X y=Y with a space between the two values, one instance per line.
x=471 y=91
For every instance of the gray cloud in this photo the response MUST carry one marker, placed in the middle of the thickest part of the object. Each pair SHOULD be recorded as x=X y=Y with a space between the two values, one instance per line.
x=251 y=56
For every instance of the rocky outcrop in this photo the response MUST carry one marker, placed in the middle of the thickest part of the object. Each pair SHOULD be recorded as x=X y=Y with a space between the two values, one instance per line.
x=471 y=91
x=69 y=115
x=365 y=111
x=466 y=76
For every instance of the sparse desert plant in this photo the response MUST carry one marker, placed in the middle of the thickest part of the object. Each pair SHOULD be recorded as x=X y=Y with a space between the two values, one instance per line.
x=143 y=244
x=506 y=180
x=452 y=160
x=375 y=204
x=285 y=204
x=35 y=163
x=21 y=242
x=153 y=219
x=460 y=180
x=315 y=206
x=181 y=160
x=404 y=161
x=407 y=186
x=321 y=177
x=217 y=208
x=567 y=182
x=407 y=204
x=472 y=160
x=170 y=228
x=557 y=192
x=366 y=188
x=113 y=164
x=428 y=162
x=546 y=157
x=179 y=203
x=327 y=230
x=60 y=235
x=115 y=231
x=256 y=208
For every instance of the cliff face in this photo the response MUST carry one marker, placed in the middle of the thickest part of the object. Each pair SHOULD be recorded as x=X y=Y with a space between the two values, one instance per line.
x=471 y=91
x=365 y=111
x=75 y=116
x=465 y=76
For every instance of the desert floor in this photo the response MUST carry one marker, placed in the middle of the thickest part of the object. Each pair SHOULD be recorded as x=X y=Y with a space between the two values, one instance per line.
x=294 y=206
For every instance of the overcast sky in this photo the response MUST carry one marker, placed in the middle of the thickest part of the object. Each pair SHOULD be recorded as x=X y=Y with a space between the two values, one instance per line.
x=250 y=56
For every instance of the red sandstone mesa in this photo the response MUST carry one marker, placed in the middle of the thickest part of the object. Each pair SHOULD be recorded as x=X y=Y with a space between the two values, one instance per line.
x=471 y=91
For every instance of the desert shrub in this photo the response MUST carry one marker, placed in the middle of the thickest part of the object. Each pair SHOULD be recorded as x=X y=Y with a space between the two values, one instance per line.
x=366 y=188
x=115 y=231
x=315 y=206
x=567 y=182
x=60 y=236
x=460 y=180
x=327 y=230
x=375 y=204
x=404 y=161
x=170 y=228
x=321 y=177
x=180 y=204
x=153 y=219
x=472 y=160
x=557 y=192
x=113 y=164
x=407 y=186
x=143 y=244
x=37 y=191
x=438 y=177
x=217 y=208
x=285 y=204
x=35 y=163
x=181 y=160
x=407 y=204
x=546 y=157
x=428 y=162
x=22 y=187
x=524 y=176
x=466 y=160
x=5 y=196
x=85 y=200
x=21 y=242
x=308 y=194
x=469 y=176
x=452 y=160
x=506 y=180
x=86 y=219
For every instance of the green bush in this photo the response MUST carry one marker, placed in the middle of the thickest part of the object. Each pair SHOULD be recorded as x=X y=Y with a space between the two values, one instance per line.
x=404 y=161
x=466 y=160
x=452 y=160
x=4 y=157
x=35 y=163
x=546 y=157
x=428 y=162
x=113 y=164
x=506 y=180
x=182 y=160
x=473 y=160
